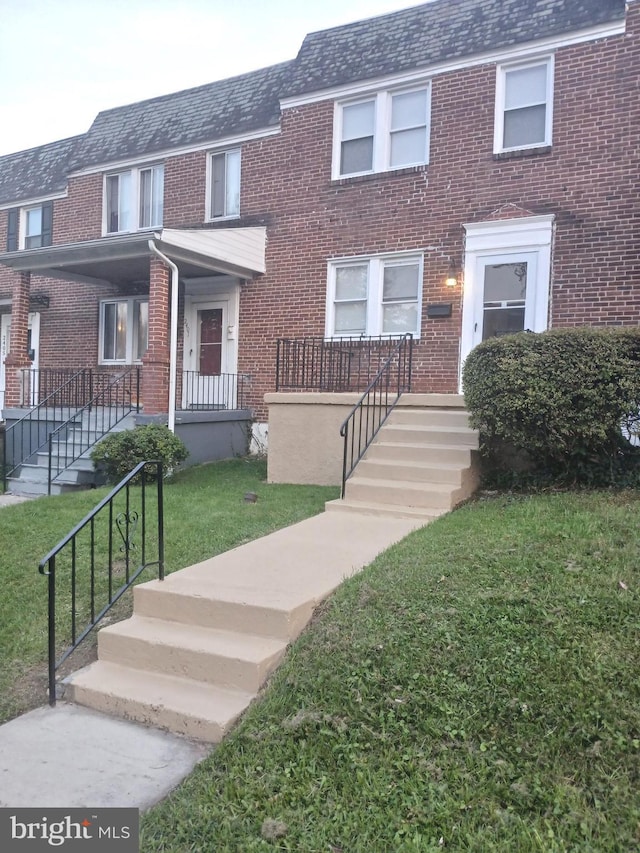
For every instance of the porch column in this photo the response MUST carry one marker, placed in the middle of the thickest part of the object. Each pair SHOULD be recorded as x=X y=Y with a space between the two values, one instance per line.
x=155 y=362
x=17 y=360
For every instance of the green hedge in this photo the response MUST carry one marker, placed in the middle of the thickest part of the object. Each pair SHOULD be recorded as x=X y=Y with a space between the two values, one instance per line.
x=555 y=404
x=120 y=452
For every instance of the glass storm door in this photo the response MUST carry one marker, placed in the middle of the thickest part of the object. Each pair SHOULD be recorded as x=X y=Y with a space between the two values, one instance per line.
x=505 y=295
x=5 y=331
x=210 y=387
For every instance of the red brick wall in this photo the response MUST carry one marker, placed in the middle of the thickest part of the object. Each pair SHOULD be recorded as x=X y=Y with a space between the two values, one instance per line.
x=588 y=181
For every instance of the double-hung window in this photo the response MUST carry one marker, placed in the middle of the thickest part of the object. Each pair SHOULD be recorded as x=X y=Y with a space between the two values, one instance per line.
x=124 y=330
x=524 y=105
x=223 y=196
x=30 y=227
x=134 y=199
x=374 y=296
x=381 y=132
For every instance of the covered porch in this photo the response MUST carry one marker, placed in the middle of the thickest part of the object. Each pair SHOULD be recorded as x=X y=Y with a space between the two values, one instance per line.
x=167 y=302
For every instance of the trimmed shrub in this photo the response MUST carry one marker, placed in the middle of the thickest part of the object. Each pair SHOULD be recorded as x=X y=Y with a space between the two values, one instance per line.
x=120 y=452
x=557 y=404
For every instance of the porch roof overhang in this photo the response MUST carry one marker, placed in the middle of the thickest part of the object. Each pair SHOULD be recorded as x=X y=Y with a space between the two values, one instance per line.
x=124 y=259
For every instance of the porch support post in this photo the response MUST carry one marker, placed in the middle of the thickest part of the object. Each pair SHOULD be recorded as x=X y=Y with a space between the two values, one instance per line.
x=17 y=360
x=155 y=362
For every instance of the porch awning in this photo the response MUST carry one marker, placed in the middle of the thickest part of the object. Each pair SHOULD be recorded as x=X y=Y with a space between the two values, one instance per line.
x=124 y=259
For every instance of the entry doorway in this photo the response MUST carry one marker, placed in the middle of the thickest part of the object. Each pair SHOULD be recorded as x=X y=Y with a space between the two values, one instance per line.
x=33 y=348
x=210 y=356
x=507 y=274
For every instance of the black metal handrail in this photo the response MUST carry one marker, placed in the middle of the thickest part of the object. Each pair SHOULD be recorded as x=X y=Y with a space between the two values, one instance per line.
x=30 y=433
x=202 y=392
x=88 y=425
x=92 y=542
x=375 y=405
x=330 y=364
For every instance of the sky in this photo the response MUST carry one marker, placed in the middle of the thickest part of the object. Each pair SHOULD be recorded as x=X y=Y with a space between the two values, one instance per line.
x=63 y=61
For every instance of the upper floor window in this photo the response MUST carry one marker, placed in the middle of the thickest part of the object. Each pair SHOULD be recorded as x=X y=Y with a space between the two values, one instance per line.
x=30 y=227
x=134 y=199
x=524 y=105
x=389 y=130
x=374 y=296
x=124 y=330
x=224 y=185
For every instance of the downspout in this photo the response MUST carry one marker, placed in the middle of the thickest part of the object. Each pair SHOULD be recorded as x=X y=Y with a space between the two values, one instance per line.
x=173 y=335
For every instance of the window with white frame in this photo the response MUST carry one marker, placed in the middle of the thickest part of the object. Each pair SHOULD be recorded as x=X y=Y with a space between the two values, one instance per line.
x=381 y=132
x=224 y=184
x=124 y=330
x=134 y=199
x=374 y=296
x=524 y=105
x=30 y=227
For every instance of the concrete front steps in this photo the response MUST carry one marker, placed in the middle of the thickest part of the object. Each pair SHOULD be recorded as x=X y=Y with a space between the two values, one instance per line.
x=422 y=463
x=202 y=642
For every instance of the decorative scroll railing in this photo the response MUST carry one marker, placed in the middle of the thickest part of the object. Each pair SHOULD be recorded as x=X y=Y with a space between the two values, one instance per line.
x=95 y=564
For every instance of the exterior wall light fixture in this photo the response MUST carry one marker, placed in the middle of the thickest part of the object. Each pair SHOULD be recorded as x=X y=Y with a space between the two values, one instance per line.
x=451 y=279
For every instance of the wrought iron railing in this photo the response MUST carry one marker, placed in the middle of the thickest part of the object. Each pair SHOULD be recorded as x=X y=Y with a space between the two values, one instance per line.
x=30 y=433
x=70 y=386
x=89 y=424
x=97 y=562
x=211 y=393
x=332 y=364
x=82 y=392
x=375 y=405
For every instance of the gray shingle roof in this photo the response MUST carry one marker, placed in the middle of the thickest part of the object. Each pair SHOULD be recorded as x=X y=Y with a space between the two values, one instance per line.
x=36 y=172
x=229 y=107
x=433 y=33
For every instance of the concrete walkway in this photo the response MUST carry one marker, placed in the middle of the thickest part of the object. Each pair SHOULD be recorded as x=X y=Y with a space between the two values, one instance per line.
x=74 y=757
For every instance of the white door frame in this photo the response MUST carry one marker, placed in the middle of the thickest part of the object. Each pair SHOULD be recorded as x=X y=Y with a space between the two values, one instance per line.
x=33 y=325
x=504 y=241
x=227 y=300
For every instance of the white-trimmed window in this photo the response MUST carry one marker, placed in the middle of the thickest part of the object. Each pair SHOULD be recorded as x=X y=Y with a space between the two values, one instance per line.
x=223 y=191
x=124 y=330
x=524 y=105
x=30 y=227
x=374 y=296
x=381 y=132
x=134 y=199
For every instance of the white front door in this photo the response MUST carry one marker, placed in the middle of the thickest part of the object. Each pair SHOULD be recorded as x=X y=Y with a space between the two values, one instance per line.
x=209 y=381
x=5 y=328
x=33 y=348
x=505 y=300
x=506 y=279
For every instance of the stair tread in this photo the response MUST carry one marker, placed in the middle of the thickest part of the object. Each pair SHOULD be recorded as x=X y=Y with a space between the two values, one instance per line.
x=385 y=442
x=410 y=463
x=184 y=698
x=386 y=509
x=233 y=644
x=413 y=485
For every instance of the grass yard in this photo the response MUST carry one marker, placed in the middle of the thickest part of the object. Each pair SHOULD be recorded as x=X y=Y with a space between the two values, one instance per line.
x=475 y=689
x=205 y=514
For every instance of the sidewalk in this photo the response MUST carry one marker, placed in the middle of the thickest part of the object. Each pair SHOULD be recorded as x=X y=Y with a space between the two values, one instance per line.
x=73 y=757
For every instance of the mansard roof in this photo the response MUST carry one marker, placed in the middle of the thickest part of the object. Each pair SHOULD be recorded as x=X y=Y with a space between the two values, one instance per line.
x=231 y=107
x=37 y=172
x=433 y=33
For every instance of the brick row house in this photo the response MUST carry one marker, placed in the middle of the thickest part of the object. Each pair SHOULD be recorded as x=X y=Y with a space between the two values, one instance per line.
x=456 y=170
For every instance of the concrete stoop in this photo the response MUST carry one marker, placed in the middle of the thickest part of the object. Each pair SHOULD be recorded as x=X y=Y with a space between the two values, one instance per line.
x=422 y=463
x=201 y=643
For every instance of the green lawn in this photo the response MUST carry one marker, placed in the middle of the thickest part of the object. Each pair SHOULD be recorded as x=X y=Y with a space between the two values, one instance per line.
x=475 y=689
x=205 y=514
